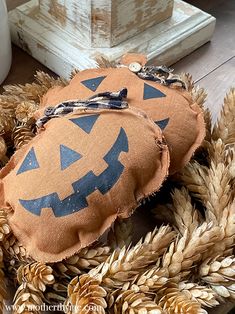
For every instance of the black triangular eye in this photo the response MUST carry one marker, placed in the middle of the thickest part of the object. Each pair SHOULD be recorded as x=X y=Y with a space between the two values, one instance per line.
x=162 y=123
x=68 y=156
x=30 y=162
x=86 y=123
x=93 y=83
x=152 y=92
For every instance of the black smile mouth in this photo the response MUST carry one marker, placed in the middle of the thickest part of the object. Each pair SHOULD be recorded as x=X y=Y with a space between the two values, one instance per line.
x=84 y=186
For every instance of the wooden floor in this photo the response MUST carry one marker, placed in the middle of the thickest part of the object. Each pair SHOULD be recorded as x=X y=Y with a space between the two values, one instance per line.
x=213 y=65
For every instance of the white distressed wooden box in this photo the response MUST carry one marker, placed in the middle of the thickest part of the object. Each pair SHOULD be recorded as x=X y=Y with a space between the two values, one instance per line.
x=52 y=33
x=105 y=23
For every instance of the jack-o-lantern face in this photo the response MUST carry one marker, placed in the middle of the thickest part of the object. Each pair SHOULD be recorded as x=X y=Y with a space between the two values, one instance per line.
x=78 y=175
x=83 y=186
x=172 y=109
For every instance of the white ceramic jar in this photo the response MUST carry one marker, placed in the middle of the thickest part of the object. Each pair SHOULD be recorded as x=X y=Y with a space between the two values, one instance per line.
x=5 y=42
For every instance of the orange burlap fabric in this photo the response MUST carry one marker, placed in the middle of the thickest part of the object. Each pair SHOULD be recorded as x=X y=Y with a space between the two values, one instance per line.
x=182 y=119
x=67 y=186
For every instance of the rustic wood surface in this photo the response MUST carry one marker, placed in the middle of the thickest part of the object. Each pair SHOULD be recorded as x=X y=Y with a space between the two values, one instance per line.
x=105 y=23
x=213 y=65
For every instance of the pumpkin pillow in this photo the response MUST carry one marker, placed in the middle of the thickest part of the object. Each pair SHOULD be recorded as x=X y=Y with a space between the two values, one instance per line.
x=82 y=171
x=172 y=109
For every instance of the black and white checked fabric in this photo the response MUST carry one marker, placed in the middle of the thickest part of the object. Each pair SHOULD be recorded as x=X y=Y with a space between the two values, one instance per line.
x=106 y=100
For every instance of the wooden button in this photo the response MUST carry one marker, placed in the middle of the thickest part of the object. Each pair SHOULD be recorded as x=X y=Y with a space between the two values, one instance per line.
x=135 y=67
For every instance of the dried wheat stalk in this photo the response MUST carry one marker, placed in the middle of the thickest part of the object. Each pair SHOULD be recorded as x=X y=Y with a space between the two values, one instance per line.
x=27 y=300
x=163 y=213
x=15 y=94
x=152 y=280
x=105 y=63
x=3 y=151
x=4 y=226
x=123 y=265
x=74 y=73
x=7 y=122
x=120 y=234
x=219 y=274
x=175 y=300
x=202 y=294
x=186 y=216
x=25 y=111
x=188 y=80
x=132 y=302
x=224 y=128
x=3 y=293
x=86 y=259
x=187 y=250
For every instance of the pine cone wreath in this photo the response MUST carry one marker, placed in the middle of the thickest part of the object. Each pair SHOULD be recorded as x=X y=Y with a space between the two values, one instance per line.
x=185 y=265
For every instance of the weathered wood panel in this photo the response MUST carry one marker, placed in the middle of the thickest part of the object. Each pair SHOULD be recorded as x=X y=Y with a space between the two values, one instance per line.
x=105 y=23
x=130 y=17
x=73 y=17
x=101 y=20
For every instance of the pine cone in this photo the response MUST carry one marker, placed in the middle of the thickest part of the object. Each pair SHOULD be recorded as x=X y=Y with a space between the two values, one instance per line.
x=86 y=259
x=120 y=234
x=219 y=273
x=22 y=134
x=4 y=226
x=85 y=296
x=36 y=274
x=25 y=111
x=132 y=302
